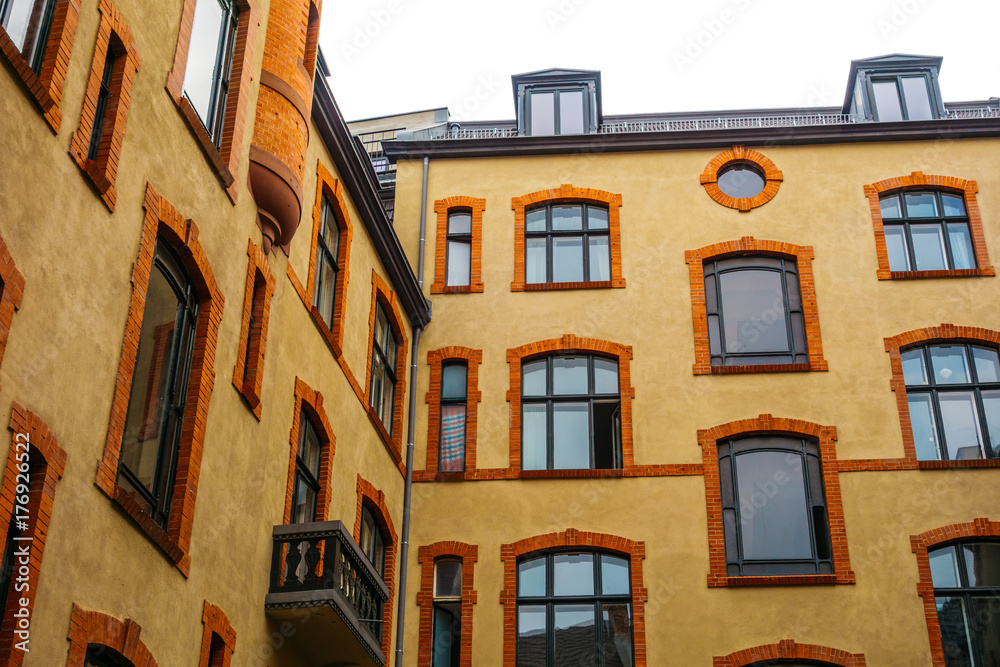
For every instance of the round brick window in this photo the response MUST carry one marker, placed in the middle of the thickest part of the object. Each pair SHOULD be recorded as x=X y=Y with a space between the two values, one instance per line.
x=741 y=179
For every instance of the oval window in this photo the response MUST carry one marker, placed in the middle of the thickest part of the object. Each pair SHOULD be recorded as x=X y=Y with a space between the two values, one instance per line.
x=741 y=180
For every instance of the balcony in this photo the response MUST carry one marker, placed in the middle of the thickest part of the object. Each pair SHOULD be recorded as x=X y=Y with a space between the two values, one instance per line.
x=324 y=586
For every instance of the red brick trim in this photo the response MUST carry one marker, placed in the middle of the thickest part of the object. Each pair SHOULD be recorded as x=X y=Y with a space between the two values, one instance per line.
x=93 y=627
x=739 y=154
x=225 y=160
x=427 y=556
x=333 y=189
x=920 y=544
x=747 y=246
x=375 y=499
x=216 y=626
x=47 y=88
x=383 y=294
x=11 y=293
x=160 y=337
x=918 y=180
x=163 y=221
x=113 y=39
x=510 y=553
x=570 y=343
x=827 y=437
x=31 y=440
x=789 y=649
x=312 y=402
x=443 y=207
x=568 y=193
x=248 y=374
x=435 y=359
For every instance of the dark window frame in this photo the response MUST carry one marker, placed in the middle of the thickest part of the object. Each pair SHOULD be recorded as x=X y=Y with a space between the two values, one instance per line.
x=556 y=92
x=377 y=551
x=940 y=221
x=965 y=591
x=103 y=95
x=390 y=380
x=302 y=471
x=550 y=234
x=452 y=605
x=325 y=256
x=221 y=72
x=452 y=237
x=462 y=400
x=896 y=77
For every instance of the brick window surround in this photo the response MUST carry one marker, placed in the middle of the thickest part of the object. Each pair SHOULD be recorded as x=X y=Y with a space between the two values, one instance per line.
x=225 y=161
x=32 y=441
x=568 y=540
x=11 y=292
x=435 y=359
x=107 y=632
x=748 y=246
x=920 y=544
x=163 y=221
x=427 y=556
x=114 y=39
x=47 y=88
x=375 y=500
x=709 y=438
x=333 y=189
x=568 y=194
x=383 y=294
x=219 y=632
x=311 y=402
x=789 y=649
x=571 y=344
x=740 y=155
x=443 y=207
x=919 y=181
x=248 y=374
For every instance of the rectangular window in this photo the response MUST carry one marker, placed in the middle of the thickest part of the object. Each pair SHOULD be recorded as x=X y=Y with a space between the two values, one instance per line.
x=27 y=23
x=447 y=630
x=927 y=231
x=567 y=243
x=307 y=462
x=209 y=62
x=459 y=251
x=100 y=113
x=454 y=403
x=382 y=394
x=558 y=112
x=327 y=263
x=902 y=98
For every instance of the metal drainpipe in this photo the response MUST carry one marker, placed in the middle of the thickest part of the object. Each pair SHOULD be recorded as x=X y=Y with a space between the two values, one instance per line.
x=404 y=545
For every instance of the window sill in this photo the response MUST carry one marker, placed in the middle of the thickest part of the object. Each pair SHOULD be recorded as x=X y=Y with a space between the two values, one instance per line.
x=457 y=289
x=592 y=284
x=764 y=368
x=385 y=436
x=208 y=147
x=716 y=581
x=127 y=502
x=251 y=395
x=41 y=94
x=969 y=463
x=572 y=474
x=328 y=335
x=950 y=273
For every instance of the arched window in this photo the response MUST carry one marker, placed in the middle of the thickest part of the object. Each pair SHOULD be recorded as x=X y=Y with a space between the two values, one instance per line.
x=966 y=579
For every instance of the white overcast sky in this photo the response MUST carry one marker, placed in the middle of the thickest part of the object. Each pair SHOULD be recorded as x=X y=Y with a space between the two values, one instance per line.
x=394 y=56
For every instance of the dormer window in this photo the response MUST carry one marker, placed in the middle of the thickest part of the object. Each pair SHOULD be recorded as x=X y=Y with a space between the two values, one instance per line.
x=901 y=98
x=895 y=88
x=558 y=101
x=557 y=112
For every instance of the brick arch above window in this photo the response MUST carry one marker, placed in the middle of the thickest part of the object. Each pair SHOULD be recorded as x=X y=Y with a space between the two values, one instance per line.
x=311 y=402
x=443 y=207
x=427 y=556
x=568 y=194
x=375 y=499
x=436 y=359
x=122 y=637
x=749 y=246
x=919 y=181
x=920 y=545
x=789 y=649
x=767 y=424
x=740 y=155
x=571 y=538
x=569 y=343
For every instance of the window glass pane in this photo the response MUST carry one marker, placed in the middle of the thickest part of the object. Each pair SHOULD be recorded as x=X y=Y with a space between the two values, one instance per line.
x=531 y=644
x=331 y=232
x=531 y=578
x=569 y=375
x=573 y=574
x=944 y=568
x=199 y=74
x=949 y=364
x=447 y=633
x=567 y=218
x=714 y=335
x=914 y=372
x=614 y=576
x=953 y=206
x=381 y=328
x=459 y=223
x=895 y=243
x=459 y=256
x=617 y=636
x=305 y=501
x=605 y=376
x=449 y=578
x=962 y=256
x=600 y=258
x=918 y=103
x=574 y=630
x=741 y=181
x=890 y=208
x=543 y=112
x=571 y=436
x=567 y=259
x=310 y=447
x=19 y=14
x=711 y=295
x=961 y=425
x=955 y=637
x=571 y=112
x=987 y=622
x=451 y=451
x=991 y=404
x=533 y=437
x=928 y=247
x=753 y=308
x=982 y=564
x=325 y=289
x=597 y=218
x=887 y=101
x=453 y=379
x=987 y=364
x=535 y=262
x=533 y=378
x=773 y=519
x=924 y=427
x=534 y=221
x=921 y=205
